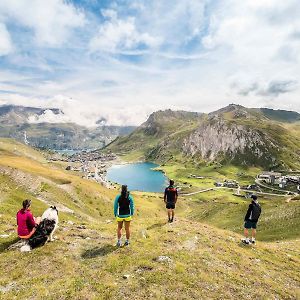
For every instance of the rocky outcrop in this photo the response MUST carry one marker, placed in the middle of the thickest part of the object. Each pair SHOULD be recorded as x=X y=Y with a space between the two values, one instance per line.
x=216 y=137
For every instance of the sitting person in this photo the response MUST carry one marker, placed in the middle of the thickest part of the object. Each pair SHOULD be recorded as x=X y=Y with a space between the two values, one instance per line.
x=25 y=221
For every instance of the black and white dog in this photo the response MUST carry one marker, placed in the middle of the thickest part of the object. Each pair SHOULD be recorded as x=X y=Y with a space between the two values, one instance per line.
x=44 y=230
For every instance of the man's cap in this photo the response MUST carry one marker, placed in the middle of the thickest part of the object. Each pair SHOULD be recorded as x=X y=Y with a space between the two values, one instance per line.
x=254 y=197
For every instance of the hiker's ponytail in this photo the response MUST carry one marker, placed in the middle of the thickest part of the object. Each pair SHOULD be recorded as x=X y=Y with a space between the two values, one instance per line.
x=124 y=192
x=26 y=203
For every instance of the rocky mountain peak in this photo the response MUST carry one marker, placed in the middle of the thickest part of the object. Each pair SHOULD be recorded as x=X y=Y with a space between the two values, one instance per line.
x=217 y=137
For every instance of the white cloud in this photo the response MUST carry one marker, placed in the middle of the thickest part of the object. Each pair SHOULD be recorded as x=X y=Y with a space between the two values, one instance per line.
x=196 y=55
x=6 y=46
x=51 y=20
x=117 y=35
x=76 y=111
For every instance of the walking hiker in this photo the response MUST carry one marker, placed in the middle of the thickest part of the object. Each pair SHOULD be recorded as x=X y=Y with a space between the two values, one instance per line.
x=251 y=219
x=170 y=198
x=123 y=211
x=26 y=221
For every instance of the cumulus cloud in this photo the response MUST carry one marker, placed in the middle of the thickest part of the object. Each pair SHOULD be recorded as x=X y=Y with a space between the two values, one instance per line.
x=118 y=35
x=131 y=57
x=5 y=41
x=51 y=21
x=75 y=111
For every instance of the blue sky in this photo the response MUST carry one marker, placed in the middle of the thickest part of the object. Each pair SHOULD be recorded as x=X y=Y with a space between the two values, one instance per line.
x=124 y=59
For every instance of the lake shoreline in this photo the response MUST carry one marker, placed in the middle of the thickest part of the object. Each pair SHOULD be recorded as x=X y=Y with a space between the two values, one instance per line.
x=140 y=176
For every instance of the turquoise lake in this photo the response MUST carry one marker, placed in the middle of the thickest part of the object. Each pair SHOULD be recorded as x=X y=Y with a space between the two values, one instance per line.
x=138 y=177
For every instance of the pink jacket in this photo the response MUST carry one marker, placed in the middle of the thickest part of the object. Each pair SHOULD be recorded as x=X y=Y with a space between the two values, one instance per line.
x=25 y=222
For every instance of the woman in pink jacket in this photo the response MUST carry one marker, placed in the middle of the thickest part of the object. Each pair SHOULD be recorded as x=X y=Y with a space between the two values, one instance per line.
x=25 y=221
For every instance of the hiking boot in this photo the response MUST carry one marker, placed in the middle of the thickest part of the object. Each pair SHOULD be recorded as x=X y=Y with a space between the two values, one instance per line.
x=172 y=220
x=119 y=244
x=253 y=242
x=126 y=243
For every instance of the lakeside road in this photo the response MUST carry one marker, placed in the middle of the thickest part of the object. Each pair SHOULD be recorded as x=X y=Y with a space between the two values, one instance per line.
x=232 y=189
x=258 y=182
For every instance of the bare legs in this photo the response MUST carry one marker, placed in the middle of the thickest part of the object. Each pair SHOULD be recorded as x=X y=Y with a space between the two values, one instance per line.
x=246 y=240
x=127 y=229
x=119 y=230
x=171 y=214
x=246 y=233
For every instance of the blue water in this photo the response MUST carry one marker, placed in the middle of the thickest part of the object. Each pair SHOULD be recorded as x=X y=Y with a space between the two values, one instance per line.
x=138 y=177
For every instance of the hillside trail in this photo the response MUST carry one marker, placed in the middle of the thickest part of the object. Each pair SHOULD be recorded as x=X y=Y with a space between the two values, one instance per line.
x=184 y=259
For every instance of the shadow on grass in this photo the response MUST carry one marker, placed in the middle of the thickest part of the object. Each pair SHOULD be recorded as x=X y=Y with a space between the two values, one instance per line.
x=5 y=245
x=157 y=225
x=95 y=252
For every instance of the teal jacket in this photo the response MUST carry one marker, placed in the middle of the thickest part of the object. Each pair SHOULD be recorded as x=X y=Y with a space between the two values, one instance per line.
x=121 y=210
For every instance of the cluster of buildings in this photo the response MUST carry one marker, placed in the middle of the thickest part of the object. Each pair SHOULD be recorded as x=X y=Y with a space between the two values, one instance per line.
x=227 y=183
x=277 y=178
x=88 y=156
x=92 y=164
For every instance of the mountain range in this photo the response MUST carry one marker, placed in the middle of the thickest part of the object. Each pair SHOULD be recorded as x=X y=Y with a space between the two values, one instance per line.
x=26 y=125
x=235 y=134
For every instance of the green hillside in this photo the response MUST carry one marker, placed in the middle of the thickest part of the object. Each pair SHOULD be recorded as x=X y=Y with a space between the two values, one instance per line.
x=234 y=135
x=163 y=128
x=205 y=259
x=281 y=115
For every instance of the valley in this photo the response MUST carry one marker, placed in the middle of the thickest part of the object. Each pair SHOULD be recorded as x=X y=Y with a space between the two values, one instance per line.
x=30 y=125
x=198 y=256
x=205 y=258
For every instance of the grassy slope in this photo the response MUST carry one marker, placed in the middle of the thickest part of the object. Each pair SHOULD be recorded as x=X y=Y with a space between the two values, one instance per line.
x=163 y=143
x=207 y=263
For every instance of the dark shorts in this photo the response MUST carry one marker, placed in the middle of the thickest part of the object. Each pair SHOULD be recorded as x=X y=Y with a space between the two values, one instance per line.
x=250 y=224
x=170 y=205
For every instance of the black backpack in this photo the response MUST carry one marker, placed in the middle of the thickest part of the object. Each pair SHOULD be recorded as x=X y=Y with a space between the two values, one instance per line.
x=256 y=211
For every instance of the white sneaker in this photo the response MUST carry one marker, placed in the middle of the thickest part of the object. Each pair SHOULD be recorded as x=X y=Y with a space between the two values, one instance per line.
x=119 y=244
x=245 y=241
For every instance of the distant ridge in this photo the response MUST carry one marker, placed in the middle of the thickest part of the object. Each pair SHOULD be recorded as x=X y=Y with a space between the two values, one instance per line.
x=232 y=135
x=24 y=124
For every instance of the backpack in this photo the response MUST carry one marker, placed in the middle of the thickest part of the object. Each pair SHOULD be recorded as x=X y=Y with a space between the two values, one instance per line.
x=256 y=211
x=124 y=205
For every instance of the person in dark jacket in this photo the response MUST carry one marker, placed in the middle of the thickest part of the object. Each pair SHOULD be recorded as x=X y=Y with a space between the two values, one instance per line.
x=170 y=198
x=251 y=219
x=123 y=211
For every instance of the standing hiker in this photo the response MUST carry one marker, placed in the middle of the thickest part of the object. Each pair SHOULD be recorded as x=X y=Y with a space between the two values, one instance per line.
x=170 y=198
x=123 y=211
x=251 y=219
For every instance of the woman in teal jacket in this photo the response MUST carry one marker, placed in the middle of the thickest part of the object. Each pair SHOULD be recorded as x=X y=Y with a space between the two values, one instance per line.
x=123 y=211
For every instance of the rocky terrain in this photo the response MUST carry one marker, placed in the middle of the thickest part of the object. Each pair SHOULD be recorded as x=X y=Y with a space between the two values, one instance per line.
x=216 y=137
